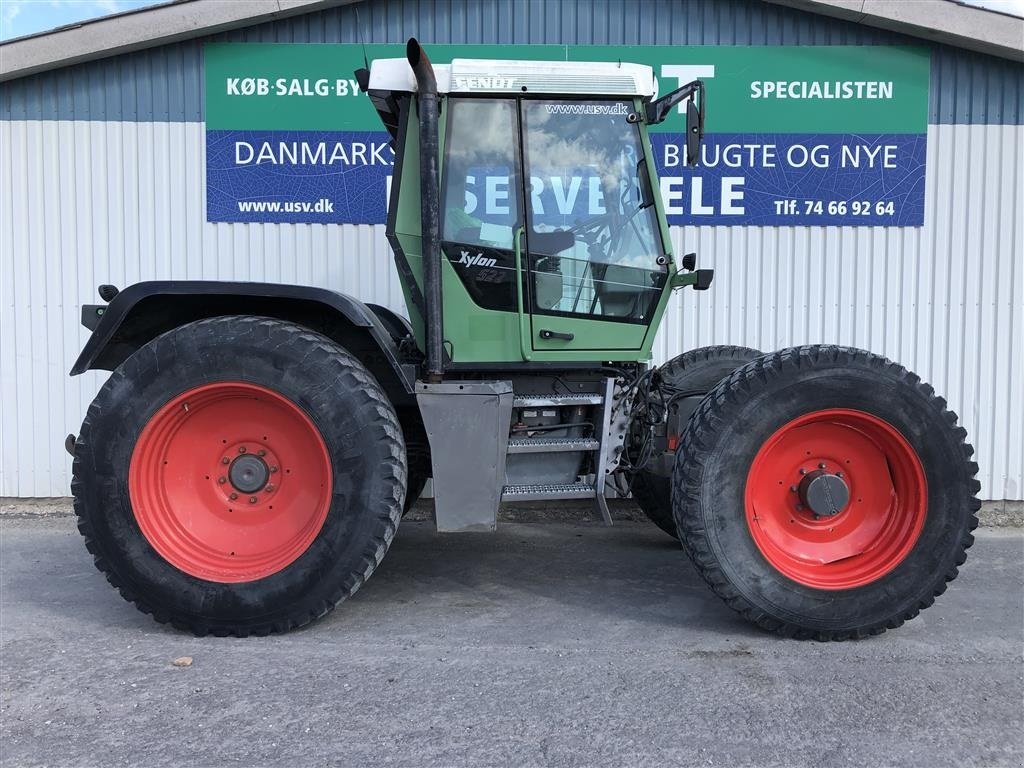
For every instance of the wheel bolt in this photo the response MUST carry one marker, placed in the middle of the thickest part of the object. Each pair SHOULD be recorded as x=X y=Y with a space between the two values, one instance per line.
x=821 y=465
x=269 y=488
x=241 y=449
x=222 y=480
x=261 y=452
x=233 y=496
x=792 y=488
x=273 y=469
x=253 y=499
x=225 y=460
x=803 y=471
x=839 y=474
x=799 y=507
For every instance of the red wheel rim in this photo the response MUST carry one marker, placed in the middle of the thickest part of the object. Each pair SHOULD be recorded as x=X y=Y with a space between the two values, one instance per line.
x=230 y=482
x=847 y=545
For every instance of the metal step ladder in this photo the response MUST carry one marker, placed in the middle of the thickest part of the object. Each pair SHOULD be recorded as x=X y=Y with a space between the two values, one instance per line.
x=597 y=445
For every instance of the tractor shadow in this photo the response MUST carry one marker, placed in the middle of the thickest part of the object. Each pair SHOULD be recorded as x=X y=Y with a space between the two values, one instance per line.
x=553 y=581
x=574 y=579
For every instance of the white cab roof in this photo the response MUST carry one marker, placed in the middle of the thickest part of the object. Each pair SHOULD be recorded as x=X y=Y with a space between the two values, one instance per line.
x=481 y=76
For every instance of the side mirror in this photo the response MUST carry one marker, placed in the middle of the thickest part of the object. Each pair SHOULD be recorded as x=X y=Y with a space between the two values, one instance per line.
x=695 y=106
x=694 y=133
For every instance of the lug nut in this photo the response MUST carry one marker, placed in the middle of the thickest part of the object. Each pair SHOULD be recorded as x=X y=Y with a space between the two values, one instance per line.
x=821 y=465
x=222 y=480
x=792 y=488
x=839 y=474
x=253 y=499
x=261 y=452
x=241 y=449
x=799 y=507
x=225 y=460
x=803 y=471
x=233 y=496
x=269 y=488
x=273 y=469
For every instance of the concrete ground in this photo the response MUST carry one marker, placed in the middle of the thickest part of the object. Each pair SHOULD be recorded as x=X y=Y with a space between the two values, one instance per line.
x=544 y=644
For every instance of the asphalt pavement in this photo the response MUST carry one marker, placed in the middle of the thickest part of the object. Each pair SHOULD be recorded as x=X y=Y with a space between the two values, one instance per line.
x=543 y=644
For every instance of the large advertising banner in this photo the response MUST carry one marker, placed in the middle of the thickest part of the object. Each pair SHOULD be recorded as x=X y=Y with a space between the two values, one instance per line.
x=796 y=135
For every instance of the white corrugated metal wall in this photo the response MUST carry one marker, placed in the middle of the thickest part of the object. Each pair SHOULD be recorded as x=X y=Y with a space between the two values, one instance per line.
x=88 y=202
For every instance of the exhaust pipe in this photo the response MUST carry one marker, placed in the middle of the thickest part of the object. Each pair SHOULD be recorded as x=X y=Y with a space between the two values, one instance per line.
x=426 y=85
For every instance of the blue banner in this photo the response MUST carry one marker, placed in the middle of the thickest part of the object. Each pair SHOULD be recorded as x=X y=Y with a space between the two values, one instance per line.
x=795 y=179
x=318 y=177
x=744 y=179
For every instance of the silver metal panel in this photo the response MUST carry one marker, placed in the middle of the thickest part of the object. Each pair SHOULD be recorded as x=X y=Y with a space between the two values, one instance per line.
x=540 y=401
x=83 y=203
x=467 y=424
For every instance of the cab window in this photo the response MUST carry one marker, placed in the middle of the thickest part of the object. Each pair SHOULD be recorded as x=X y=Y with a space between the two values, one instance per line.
x=481 y=198
x=594 y=244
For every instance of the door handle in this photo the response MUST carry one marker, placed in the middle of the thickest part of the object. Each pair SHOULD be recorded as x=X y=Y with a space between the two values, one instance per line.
x=525 y=344
x=546 y=334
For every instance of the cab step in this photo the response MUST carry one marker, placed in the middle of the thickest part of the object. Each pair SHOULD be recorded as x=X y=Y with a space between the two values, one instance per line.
x=548 y=492
x=554 y=401
x=552 y=444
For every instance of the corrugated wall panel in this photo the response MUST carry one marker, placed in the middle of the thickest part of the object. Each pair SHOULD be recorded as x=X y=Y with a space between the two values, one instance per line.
x=83 y=201
x=90 y=202
x=165 y=83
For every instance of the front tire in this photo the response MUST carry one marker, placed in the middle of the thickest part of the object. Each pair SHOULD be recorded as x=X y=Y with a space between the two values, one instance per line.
x=239 y=475
x=825 y=492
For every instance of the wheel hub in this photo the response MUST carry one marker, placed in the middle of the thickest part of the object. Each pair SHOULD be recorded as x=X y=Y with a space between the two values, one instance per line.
x=230 y=482
x=835 y=498
x=823 y=493
x=248 y=473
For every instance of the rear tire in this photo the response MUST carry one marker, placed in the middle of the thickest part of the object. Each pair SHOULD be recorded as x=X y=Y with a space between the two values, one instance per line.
x=198 y=436
x=698 y=370
x=892 y=528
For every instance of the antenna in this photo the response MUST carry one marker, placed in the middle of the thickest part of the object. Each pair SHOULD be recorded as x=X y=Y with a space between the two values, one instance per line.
x=362 y=42
x=362 y=75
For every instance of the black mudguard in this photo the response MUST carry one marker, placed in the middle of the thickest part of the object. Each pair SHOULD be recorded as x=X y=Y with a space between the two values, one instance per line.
x=143 y=311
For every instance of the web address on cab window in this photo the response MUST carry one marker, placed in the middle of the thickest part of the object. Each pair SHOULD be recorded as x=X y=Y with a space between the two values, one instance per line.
x=587 y=109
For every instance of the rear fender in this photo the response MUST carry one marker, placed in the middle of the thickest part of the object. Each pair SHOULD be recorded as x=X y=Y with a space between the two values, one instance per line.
x=143 y=311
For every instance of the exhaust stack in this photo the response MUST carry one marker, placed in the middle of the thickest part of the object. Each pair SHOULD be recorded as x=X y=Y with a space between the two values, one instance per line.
x=429 y=207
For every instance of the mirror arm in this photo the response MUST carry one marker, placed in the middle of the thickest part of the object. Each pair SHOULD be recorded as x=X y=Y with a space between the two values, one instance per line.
x=660 y=109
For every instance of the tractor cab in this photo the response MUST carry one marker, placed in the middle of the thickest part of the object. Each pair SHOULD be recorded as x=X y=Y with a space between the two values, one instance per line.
x=553 y=244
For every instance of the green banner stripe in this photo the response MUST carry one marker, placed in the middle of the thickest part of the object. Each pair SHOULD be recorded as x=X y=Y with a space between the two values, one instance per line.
x=751 y=89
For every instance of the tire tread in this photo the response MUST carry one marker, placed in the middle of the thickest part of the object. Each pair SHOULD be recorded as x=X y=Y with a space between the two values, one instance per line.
x=710 y=416
x=353 y=376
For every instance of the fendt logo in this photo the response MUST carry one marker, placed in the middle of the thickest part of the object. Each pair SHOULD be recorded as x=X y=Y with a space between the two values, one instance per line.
x=485 y=83
x=476 y=261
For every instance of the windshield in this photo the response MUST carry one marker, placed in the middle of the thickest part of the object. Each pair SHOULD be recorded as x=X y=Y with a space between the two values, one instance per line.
x=581 y=159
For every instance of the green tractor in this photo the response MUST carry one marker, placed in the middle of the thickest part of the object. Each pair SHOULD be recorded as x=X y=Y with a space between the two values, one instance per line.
x=247 y=463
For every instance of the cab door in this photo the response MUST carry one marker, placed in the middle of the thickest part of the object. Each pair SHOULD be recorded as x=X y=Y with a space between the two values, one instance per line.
x=481 y=230
x=595 y=264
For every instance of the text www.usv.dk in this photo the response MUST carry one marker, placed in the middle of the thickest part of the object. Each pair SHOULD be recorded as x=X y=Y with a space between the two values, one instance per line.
x=323 y=205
